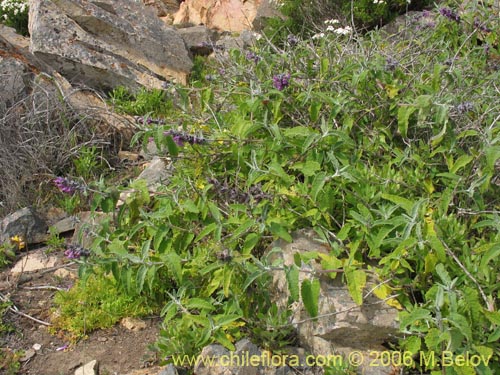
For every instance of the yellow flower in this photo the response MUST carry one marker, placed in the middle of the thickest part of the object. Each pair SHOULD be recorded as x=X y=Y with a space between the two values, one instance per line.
x=18 y=240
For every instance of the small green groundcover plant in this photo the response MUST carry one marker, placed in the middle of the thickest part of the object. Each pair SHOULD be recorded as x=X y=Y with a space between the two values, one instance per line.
x=387 y=148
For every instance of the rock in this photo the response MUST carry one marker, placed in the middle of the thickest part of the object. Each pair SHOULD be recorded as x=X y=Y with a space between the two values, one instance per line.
x=156 y=370
x=109 y=124
x=25 y=223
x=37 y=347
x=163 y=7
x=198 y=39
x=91 y=368
x=63 y=273
x=34 y=261
x=343 y=326
x=223 y=15
x=13 y=86
x=28 y=354
x=65 y=225
x=244 y=40
x=248 y=359
x=155 y=173
x=133 y=324
x=108 y=43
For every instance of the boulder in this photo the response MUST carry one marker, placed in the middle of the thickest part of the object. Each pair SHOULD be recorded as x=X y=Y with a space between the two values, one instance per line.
x=34 y=261
x=163 y=7
x=224 y=15
x=107 y=43
x=342 y=326
x=26 y=224
x=199 y=39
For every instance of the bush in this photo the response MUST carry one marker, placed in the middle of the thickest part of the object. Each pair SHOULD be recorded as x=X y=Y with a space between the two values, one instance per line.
x=386 y=148
x=14 y=13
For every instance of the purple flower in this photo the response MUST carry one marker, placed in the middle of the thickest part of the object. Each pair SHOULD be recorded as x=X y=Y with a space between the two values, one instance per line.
x=448 y=13
x=391 y=63
x=76 y=252
x=253 y=57
x=180 y=138
x=67 y=186
x=281 y=81
x=292 y=40
x=481 y=27
x=465 y=107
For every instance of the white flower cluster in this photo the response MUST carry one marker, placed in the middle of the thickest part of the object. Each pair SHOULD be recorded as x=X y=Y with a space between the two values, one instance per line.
x=377 y=2
x=13 y=7
x=331 y=28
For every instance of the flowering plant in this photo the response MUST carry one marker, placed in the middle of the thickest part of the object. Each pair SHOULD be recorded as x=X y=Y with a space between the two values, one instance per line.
x=14 y=13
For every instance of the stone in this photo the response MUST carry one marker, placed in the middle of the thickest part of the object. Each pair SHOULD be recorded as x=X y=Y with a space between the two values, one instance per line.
x=249 y=359
x=63 y=273
x=198 y=39
x=223 y=15
x=25 y=223
x=34 y=261
x=342 y=326
x=65 y=225
x=156 y=370
x=37 y=347
x=163 y=7
x=109 y=125
x=13 y=86
x=243 y=40
x=28 y=354
x=108 y=43
x=133 y=324
x=90 y=368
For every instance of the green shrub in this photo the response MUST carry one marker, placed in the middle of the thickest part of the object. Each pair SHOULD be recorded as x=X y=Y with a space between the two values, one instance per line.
x=386 y=148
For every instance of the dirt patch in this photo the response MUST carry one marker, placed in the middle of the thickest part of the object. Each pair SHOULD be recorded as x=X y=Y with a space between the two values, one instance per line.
x=118 y=350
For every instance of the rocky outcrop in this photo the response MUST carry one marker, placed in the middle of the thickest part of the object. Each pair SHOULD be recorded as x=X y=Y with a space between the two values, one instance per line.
x=163 y=7
x=224 y=15
x=342 y=327
x=107 y=43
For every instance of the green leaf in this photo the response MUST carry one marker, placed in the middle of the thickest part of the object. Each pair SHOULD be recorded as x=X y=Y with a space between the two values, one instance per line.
x=199 y=304
x=404 y=203
x=297 y=131
x=190 y=206
x=140 y=277
x=317 y=185
x=418 y=314
x=250 y=241
x=461 y=323
x=461 y=162
x=224 y=320
x=404 y=113
x=172 y=147
x=281 y=232
x=173 y=262
x=309 y=168
x=242 y=229
x=310 y=296
x=206 y=231
x=228 y=273
x=168 y=311
x=356 y=281
x=292 y=278
x=314 y=111
x=491 y=254
x=221 y=338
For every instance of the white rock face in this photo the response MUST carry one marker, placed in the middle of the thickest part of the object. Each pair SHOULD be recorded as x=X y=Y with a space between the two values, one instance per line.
x=107 y=43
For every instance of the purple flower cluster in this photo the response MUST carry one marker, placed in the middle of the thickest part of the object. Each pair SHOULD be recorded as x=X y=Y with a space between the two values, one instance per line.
x=448 y=13
x=292 y=40
x=481 y=27
x=180 y=138
x=391 y=63
x=76 y=252
x=148 y=120
x=464 y=107
x=281 y=81
x=253 y=57
x=67 y=186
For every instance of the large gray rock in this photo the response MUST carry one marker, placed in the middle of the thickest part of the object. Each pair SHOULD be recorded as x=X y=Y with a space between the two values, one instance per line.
x=107 y=43
x=25 y=223
x=342 y=326
x=91 y=368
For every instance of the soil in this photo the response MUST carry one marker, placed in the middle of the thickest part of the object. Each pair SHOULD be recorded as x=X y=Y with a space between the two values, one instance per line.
x=118 y=351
